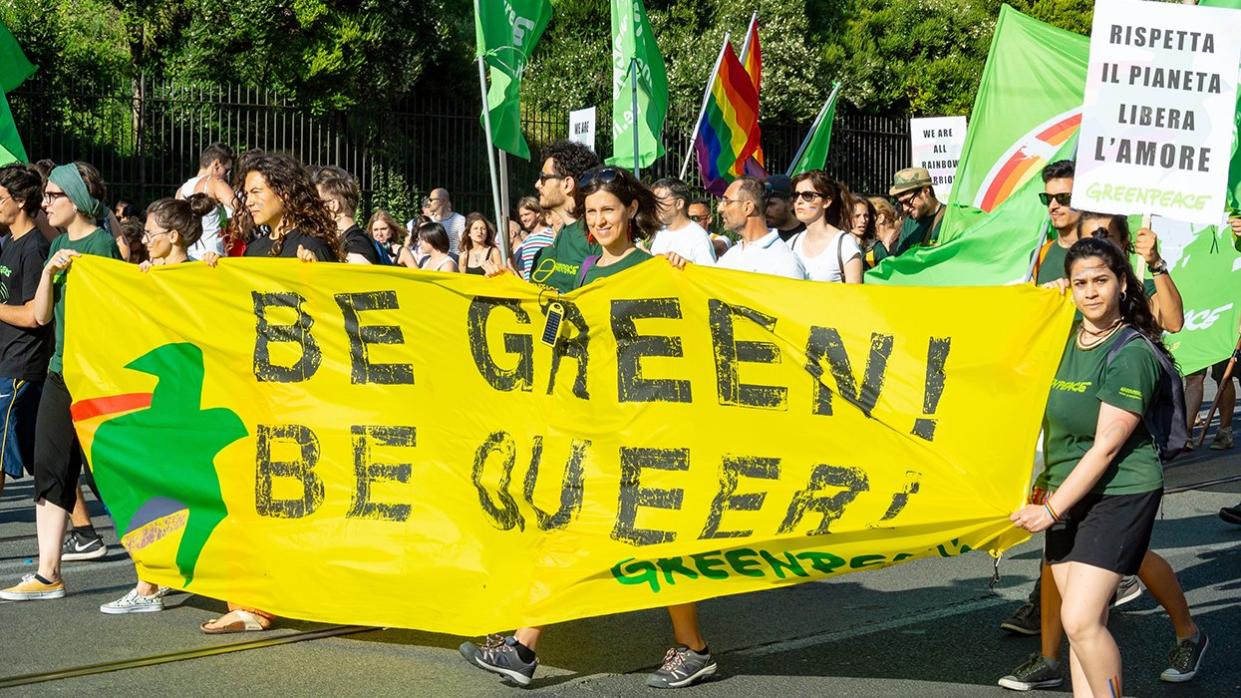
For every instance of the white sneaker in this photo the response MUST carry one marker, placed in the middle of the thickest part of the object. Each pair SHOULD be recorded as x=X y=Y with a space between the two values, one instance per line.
x=133 y=602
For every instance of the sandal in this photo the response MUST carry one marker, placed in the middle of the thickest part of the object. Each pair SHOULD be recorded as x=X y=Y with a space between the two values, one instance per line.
x=247 y=623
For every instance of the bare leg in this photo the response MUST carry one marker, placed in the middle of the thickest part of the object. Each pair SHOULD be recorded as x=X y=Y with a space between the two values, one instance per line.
x=147 y=588
x=50 y=522
x=685 y=626
x=1051 y=630
x=1 y=482
x=529 y=636
x=1161 y=582
x=1193 y=397
x=1086 y=592
x=80 y=514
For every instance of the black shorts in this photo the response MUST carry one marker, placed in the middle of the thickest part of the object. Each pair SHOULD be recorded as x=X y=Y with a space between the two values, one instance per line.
x=1112 y=532
x=57 y=453
x=1217 y=373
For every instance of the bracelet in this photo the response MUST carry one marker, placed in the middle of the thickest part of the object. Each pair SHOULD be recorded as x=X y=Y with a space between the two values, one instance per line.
x=1050 y=511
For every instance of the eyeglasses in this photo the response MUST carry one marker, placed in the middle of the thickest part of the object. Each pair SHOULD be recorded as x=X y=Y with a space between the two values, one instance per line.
x=808 y=196
x=699 y=219
x=53 y=195
x=605 y=176
x=906 y=201
x=544 y=176
x=1064 y=198
x=147 y=237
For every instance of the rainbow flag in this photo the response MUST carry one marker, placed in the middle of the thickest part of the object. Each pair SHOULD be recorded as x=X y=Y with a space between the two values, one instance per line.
x=752 y=59
x=728 y=132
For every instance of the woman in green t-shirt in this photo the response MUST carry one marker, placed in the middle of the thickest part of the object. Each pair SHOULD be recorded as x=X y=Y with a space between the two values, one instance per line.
x=618 y=210
x=73 y=201
x=1103 y=473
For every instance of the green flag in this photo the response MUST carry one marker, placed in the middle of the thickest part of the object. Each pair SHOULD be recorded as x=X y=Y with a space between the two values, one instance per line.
x=812 y=155
x=14 y=66
x=11 y=149
x=1207 y=272
x=1028 y=105
x=632 y=39
x=506 y=32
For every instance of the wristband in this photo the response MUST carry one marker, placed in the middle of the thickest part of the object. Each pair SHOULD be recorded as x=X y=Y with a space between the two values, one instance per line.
x=1051 y=511
x=1160 y=267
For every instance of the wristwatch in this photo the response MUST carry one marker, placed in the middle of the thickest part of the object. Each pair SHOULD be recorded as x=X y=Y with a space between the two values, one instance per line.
x=1160 y=267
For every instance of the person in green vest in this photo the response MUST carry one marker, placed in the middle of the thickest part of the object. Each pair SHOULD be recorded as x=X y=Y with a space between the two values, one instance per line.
x=1103 y=477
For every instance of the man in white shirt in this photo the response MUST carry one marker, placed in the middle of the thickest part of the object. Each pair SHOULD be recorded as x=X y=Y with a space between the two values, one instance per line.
x=760 y=249
x=442 y=213
x=212 y=179
x=679 y=234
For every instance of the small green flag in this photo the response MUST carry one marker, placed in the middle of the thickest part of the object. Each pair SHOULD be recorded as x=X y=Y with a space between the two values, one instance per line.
x=14 y=66
x=506 y=32
x=11 y=149
x=812 y=155
x=632 y=39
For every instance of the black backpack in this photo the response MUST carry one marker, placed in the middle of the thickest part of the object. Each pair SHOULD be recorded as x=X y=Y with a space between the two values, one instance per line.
x=1165 y=419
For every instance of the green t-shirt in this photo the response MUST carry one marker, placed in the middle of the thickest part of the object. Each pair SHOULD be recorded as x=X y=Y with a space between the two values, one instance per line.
x=916 y=231
x=1082 y=382
x=556 y=265
x=98 y=242
x=1052 y=266
x=633 y=259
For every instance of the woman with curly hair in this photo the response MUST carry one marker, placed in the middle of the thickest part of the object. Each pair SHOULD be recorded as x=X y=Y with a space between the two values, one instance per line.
x=280 y=213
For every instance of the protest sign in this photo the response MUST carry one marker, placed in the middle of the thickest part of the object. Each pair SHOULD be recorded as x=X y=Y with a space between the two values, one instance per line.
x=283 y=435
x=936 y=145
x=582 y=127
x=1158 y=117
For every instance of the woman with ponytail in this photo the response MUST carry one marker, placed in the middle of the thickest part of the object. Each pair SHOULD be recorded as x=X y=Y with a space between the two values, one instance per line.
x=73 y=200
x=1103 y=476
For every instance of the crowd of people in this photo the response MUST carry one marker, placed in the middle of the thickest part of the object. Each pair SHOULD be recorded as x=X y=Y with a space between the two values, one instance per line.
x=1096 y=498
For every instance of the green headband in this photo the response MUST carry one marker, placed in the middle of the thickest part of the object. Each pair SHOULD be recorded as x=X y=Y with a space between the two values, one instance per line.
x=70 y=180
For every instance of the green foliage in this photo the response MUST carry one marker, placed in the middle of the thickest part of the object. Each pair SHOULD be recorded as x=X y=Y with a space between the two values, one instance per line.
x=906 y=56
x=393 y=194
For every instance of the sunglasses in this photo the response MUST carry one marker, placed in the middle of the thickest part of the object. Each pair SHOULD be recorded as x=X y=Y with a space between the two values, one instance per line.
x=599 y=177
x=1064 y=199
x=808 y=196
x=543 y=177
x=699 y=219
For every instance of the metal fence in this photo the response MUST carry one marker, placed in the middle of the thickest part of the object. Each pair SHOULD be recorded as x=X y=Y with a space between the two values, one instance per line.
x=145 y=137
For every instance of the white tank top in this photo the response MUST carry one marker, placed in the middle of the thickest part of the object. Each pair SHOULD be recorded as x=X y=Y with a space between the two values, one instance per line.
x=211 y=241
x=827 y=265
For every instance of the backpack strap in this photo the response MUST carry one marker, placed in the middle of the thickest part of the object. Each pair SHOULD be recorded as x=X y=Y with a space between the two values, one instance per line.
x=840 y=259
x=1042 y=255
x=586 y=265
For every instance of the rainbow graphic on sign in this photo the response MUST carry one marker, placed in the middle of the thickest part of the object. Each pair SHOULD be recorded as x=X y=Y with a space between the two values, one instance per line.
x=1026 y=158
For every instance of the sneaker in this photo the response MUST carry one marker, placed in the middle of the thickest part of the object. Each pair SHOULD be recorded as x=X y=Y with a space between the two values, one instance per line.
x=499 y=656
x=1184 y=659
x=682 y=667
x=1024 y=621
x=1034 y=673
x=79 y=547
x=1222 y=440
x=1126 y=591
x=133 y=602
x=34 y=588
x=1231 y=514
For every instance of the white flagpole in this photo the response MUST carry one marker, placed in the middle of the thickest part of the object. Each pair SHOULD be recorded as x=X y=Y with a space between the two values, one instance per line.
x=491 y=152
x=706 y=94
x=805 y=143
x=749 y=32
x=502 y=218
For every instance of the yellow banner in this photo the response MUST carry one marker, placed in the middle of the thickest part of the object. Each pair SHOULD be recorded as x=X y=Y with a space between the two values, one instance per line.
x=390 y=447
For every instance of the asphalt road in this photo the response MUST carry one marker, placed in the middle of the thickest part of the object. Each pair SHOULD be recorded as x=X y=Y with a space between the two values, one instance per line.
x=926 y=628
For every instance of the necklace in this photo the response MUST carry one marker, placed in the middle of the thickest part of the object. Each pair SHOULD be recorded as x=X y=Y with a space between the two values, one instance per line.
x=1101 y=336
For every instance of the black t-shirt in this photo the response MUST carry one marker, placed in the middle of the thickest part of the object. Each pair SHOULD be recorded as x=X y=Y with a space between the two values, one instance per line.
x=357 y=242
x=261 y=247
x=24 y=352
x=785 y=235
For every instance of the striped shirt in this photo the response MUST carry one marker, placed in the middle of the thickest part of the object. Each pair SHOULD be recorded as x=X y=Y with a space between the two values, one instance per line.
x=530 y=247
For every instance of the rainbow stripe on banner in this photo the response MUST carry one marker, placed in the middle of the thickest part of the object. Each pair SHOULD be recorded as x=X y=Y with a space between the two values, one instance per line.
x=728 y=133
